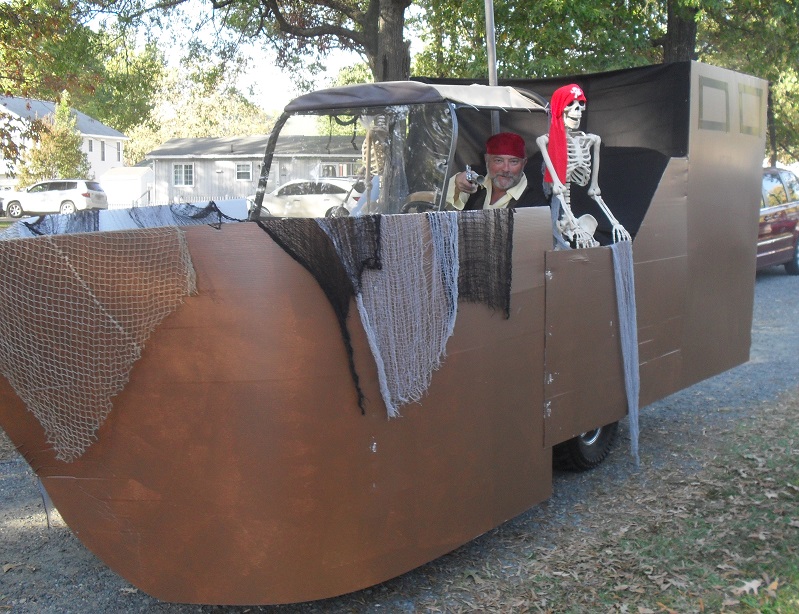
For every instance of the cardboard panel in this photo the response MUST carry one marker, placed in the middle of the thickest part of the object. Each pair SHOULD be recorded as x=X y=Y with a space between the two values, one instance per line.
x=584 y=378
x=726 y=154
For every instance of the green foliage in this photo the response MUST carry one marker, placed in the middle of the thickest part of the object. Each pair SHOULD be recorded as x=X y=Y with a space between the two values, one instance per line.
x=123 y=97
x=534 y=39
x=44 y=49
x=545 y=38
x=58 y=154
x=188 y=109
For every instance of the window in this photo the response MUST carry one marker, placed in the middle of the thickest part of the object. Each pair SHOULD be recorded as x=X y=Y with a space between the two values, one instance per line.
x=91 y=146
x=119 y=152
x=102 y=151
x=773 y=190
x=791 y=183
x=184 y=174
x=244 y=171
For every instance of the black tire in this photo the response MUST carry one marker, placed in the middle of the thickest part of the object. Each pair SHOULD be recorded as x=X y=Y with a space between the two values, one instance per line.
x=67 y=207
x=792 y=266
x=337 y=211
x=14 y=209
x=587 y=450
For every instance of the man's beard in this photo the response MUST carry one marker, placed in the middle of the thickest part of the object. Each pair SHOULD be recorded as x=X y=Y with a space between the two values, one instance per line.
x=506 y=182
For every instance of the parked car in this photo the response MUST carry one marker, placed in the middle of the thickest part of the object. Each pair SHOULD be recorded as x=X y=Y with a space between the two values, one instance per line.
x=778 y=235
x=311 y=198
x=55 y=196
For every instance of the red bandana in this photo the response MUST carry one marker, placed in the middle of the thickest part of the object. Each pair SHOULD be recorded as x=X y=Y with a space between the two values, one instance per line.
x=506 y=144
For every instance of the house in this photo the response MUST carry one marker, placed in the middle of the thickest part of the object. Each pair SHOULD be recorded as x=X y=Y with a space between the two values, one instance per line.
x=102 y=145
x=201 y=169
x=128 y=186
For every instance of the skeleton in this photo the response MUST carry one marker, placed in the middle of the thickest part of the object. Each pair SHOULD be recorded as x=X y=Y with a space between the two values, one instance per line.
x=578 y=169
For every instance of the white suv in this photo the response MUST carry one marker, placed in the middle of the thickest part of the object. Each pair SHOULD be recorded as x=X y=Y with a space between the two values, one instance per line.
x=55 y=196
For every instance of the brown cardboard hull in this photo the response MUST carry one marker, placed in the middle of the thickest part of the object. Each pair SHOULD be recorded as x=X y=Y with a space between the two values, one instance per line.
x=237 y=468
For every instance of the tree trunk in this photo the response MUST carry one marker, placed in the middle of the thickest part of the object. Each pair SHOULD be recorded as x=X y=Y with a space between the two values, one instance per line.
x=772 y=129
x=680 y=41
x=392 y=60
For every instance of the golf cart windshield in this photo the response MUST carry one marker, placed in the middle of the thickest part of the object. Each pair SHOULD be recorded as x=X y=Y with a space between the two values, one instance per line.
x=383 y=159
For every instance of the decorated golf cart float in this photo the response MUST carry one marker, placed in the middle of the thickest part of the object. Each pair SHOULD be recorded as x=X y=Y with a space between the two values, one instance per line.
x=229 y=407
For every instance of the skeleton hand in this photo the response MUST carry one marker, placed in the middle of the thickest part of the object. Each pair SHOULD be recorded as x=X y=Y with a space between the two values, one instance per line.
x=557 y=187
x=620 y=233
x=572 y=231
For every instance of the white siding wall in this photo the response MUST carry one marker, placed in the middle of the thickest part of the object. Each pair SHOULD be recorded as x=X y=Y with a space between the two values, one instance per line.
x=213 y=180
x=93 y=146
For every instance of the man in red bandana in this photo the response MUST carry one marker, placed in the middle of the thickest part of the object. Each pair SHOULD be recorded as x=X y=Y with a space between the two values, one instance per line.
x=505 y=184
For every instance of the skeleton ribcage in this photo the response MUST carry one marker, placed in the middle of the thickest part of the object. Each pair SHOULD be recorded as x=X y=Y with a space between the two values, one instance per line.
x=578 y=163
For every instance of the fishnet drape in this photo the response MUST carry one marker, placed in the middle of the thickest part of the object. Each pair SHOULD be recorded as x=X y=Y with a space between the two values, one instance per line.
x=75 y=311
x=118 y=219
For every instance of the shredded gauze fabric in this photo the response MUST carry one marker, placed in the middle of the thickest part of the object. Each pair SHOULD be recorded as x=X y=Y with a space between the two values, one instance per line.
x=307 y=243
x=75 y=312
x=486 y=249
x=408 y=306
x=628 y=333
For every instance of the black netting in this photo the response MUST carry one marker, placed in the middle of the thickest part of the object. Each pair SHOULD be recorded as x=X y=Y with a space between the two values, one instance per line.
x=485 y=244
x=307 y=243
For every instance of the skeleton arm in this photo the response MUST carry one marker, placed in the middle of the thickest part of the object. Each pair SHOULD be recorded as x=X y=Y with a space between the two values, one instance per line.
x=557 y=185
x=596 y=141
x=619 y=232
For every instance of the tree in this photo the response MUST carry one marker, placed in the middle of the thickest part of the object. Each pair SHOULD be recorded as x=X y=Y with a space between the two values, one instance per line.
x=43 y=51
x=59 y=153
x=192 y=108
x=541 y=39
x=534 y=39
x=43 y=48
x=302 y=29
x=124 y=94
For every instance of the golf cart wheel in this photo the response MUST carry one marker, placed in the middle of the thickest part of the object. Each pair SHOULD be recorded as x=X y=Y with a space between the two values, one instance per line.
x=587 y=450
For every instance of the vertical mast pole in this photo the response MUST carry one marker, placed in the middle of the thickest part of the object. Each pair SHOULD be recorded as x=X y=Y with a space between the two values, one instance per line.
x=491 y=49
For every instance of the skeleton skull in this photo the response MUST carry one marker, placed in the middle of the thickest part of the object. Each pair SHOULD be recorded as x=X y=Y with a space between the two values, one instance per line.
x=573 y=114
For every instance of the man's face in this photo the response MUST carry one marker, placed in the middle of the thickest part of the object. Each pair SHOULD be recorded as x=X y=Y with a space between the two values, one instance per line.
x=505 y=171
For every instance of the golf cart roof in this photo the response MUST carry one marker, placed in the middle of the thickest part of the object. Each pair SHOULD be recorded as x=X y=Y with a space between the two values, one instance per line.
x=391 y=93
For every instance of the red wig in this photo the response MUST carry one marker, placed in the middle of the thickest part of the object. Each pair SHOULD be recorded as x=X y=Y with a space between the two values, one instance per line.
x=561 y=98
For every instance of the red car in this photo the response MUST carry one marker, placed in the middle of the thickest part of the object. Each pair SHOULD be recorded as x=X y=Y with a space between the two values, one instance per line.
x=778 y=234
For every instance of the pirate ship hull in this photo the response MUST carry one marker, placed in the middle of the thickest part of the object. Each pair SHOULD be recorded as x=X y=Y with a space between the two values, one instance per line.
x=236 y=467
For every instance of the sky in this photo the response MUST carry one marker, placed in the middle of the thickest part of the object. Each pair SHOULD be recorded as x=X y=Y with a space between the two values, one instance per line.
x=273 y=88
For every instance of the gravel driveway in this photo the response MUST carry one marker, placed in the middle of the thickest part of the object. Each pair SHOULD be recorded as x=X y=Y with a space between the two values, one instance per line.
x=49 y=571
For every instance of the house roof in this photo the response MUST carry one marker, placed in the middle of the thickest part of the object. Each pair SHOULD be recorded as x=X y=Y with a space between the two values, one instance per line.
x=252 y=146
x=31 y=108
x=211 y=147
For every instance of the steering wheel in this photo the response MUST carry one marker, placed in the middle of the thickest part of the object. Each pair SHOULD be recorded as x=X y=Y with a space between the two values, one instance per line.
x=417 y=206
x=419 y=202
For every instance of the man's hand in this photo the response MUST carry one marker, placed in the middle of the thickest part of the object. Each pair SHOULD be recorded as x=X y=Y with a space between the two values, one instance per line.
x=465 y=185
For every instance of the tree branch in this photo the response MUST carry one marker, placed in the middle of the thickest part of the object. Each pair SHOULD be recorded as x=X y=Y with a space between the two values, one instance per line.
x=315 y=31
